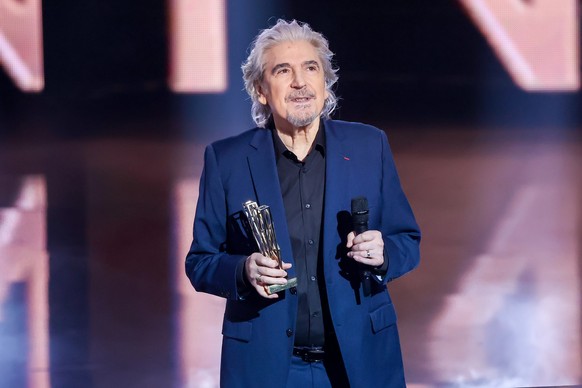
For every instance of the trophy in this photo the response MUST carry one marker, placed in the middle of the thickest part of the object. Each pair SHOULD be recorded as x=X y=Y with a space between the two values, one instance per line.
x=261 y=224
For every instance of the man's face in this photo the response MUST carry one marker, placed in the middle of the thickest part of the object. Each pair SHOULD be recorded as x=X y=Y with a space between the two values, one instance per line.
x=293 y=84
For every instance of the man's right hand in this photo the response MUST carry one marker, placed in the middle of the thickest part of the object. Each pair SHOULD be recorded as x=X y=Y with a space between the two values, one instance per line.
x=263 y=271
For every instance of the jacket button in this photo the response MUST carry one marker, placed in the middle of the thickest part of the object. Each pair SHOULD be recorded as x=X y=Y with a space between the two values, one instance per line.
x=289 y=332
x=293 y=290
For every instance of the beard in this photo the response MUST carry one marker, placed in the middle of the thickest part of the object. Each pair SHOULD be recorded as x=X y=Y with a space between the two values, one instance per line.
x=304 y=115
x=301 y=120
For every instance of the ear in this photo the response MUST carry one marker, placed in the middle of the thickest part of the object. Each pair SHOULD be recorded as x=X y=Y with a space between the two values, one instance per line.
x=262 y=98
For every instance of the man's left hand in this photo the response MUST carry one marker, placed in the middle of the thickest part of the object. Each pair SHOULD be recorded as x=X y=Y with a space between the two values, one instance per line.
x=366 y=248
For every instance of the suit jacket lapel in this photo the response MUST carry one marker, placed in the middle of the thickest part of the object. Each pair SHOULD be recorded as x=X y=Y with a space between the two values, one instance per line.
x=263 y=170
x=337 y=181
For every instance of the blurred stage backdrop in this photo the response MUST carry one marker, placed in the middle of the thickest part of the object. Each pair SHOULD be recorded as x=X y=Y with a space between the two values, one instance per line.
x=105 y=109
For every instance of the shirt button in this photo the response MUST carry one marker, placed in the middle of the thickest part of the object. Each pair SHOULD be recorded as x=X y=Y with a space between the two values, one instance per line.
x=310 y=242
x=313 y=278
x=289 y=332
x=308 y=206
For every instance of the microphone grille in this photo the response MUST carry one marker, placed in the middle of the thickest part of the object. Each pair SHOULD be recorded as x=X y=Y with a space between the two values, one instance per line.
x=359 y=204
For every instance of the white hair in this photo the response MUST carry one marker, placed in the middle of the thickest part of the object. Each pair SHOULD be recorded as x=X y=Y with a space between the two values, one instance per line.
x=284 y=31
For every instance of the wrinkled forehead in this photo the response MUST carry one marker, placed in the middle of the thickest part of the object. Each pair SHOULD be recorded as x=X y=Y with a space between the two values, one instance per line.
x=290 y=52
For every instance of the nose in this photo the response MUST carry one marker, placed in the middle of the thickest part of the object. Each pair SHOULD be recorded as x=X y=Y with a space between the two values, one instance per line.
x=298 y=81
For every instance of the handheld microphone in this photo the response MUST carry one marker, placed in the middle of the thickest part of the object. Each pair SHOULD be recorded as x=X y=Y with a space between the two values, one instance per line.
x=360 y=225
x=360 y=214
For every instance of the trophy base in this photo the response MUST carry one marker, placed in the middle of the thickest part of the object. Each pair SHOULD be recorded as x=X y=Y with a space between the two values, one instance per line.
x=274 y=288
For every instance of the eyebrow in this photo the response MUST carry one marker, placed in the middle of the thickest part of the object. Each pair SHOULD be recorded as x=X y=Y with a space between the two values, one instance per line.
x=312 y=62
x=283 y=65
x=279 y=66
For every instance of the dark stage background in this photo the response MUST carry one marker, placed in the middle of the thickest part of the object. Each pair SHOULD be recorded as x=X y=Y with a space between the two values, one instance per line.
x=404 y=62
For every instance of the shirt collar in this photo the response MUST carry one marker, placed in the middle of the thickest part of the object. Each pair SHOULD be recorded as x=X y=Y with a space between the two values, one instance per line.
x=281 y=150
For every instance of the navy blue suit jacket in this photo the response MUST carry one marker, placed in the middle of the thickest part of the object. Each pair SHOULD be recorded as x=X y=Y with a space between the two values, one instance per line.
x=257 y=332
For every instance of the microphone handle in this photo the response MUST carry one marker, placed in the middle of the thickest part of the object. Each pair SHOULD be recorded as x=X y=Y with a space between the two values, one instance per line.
x=360 y=228
x=366 y=282
x=365 y=273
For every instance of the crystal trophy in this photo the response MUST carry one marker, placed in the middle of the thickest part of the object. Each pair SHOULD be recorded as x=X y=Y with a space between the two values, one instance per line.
x=261 y=224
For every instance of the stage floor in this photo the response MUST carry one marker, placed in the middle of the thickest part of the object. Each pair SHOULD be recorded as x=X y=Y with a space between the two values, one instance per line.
x=93 y=235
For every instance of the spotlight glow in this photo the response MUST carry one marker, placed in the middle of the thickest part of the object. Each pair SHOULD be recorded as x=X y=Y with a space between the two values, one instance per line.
x=536 y=41
x=21 y=43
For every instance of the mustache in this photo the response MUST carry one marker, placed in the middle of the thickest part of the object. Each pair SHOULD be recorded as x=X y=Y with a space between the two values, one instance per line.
x=301 y=94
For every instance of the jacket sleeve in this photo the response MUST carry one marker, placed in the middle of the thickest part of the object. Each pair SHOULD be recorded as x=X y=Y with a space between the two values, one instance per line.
x=399 y=228
x=208 y=266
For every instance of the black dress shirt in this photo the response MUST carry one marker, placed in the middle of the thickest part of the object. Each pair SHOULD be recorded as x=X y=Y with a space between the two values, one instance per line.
x=303 y=188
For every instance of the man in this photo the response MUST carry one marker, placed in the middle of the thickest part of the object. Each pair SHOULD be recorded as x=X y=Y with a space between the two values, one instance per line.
x=337 y=327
